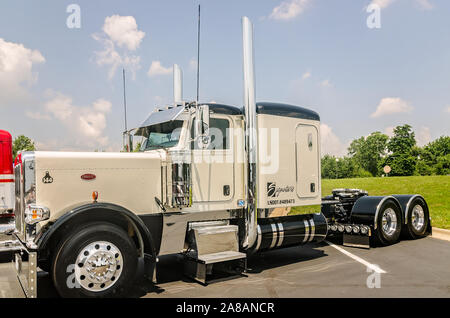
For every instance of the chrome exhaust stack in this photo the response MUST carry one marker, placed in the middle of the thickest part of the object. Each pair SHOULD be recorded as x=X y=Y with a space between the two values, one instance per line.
x=177 y=85
x=251 y=145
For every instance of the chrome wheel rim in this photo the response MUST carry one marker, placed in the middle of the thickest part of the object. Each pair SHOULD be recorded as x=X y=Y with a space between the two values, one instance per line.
x=418 y=217
x=389 y=221
x=98 y=266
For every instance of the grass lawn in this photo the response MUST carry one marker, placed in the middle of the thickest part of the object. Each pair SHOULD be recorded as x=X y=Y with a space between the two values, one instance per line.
x=435 y=190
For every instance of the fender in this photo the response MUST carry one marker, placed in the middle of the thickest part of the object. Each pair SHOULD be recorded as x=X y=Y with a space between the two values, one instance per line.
x=405 y=201
x=83 y=210
x=366 y=209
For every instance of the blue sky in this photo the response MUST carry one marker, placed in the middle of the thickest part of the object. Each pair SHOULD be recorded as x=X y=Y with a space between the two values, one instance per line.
x=58 y=85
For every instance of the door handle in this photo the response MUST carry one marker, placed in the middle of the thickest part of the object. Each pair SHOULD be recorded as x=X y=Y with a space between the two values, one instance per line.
x=226 y=190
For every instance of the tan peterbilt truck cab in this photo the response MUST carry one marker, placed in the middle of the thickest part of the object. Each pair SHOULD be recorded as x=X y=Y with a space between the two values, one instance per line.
x=208 y=183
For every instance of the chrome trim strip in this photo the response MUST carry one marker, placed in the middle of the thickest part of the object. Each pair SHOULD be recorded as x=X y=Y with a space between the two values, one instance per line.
x=274 y=235
x=407 y=207
x=280 y=234
x=258 y=242
x=313 y=230
x=305 y=239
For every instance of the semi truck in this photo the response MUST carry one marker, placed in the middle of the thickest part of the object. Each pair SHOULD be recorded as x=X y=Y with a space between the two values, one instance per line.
x=6 y=183
x=204 y=183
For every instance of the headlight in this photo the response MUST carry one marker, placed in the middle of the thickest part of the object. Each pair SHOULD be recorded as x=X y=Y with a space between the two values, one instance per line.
x=340 y=228
x=356 y=229
x=35 y=214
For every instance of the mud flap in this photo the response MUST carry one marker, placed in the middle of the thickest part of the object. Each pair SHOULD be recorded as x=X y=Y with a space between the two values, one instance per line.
x=360 y=241
x=25 y=264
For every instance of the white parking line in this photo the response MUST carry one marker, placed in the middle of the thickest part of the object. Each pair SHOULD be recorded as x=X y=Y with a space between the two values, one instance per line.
x=373 y=267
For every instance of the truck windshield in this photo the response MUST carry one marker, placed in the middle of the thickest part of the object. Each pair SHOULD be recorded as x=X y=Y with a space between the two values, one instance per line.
x=165 y=135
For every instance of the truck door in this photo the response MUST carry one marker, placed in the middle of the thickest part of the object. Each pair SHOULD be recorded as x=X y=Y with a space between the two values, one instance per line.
x=307 y=161
x=213 y=168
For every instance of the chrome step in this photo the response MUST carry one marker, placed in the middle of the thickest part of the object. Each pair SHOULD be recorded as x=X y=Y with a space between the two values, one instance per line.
x=221 y=257
x=205 y=240
x=216 y=266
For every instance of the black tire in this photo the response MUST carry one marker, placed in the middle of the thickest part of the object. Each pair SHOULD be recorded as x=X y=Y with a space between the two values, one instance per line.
x=68 y=250
x=383 y=236
x=412 y=229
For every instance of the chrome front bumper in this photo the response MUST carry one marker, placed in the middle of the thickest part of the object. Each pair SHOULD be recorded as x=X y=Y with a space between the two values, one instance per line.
x=8 y=243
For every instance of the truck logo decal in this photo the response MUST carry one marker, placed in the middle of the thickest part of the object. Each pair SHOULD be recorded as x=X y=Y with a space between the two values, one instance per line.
x=273 y=191
x=47 y=178
x=88 y=176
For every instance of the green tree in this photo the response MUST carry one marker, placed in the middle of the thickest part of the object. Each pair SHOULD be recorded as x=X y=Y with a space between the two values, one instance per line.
x=329 y=167
x=22 y=143
x=403 y=140
x=401 y=149
x=368 y=152
x=338 y=168
x=442 y=166
x=435 y=156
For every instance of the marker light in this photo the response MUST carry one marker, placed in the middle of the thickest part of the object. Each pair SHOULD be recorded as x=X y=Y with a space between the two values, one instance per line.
x=35 y=214
x=95 y=196
x=364 y=229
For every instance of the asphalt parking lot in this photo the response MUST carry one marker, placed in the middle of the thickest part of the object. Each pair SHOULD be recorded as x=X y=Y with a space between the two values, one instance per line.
x=419 y=268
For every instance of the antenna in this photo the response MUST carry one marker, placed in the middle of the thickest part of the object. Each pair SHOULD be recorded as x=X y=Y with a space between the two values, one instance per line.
x=124 y=99
x=198 y=55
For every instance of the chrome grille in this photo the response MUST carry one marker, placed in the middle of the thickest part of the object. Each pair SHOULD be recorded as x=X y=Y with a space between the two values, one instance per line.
x=25 y=190
x=18 y=208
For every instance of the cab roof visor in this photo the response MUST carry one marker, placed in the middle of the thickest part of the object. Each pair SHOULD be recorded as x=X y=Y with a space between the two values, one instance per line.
x=160 y=117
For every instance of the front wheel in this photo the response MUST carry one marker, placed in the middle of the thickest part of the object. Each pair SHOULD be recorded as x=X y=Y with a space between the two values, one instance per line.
x=99 y=260
x=389 y=223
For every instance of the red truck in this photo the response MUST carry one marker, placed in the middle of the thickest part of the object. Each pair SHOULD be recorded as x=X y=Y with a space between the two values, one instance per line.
x=6 y=182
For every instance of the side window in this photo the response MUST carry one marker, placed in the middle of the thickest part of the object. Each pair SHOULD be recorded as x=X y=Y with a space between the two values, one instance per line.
x=218 y=132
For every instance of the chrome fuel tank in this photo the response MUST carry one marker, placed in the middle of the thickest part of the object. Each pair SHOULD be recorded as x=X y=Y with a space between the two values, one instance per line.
x=286 y=231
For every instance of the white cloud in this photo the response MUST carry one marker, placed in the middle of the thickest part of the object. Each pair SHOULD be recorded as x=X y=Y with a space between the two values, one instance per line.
x=391 y=105
x=193 y=63
x=123 y=31
x=306 y=75
x=85 y=124
x=157 y=69
x=326 y=83
x=422 y=4
x=60 y=106
x=382 y=3
x=102 y=105
x=37 y=115
x=425 y=4
x=289 y=9
x=423 y=136
x=447 y=109
x=16 y=70
x=389 y=131
x=330 y=143
x=119 y=32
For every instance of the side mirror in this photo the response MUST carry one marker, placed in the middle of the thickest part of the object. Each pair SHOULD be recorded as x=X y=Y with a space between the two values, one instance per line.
x=127 y=142
x=202 y=126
